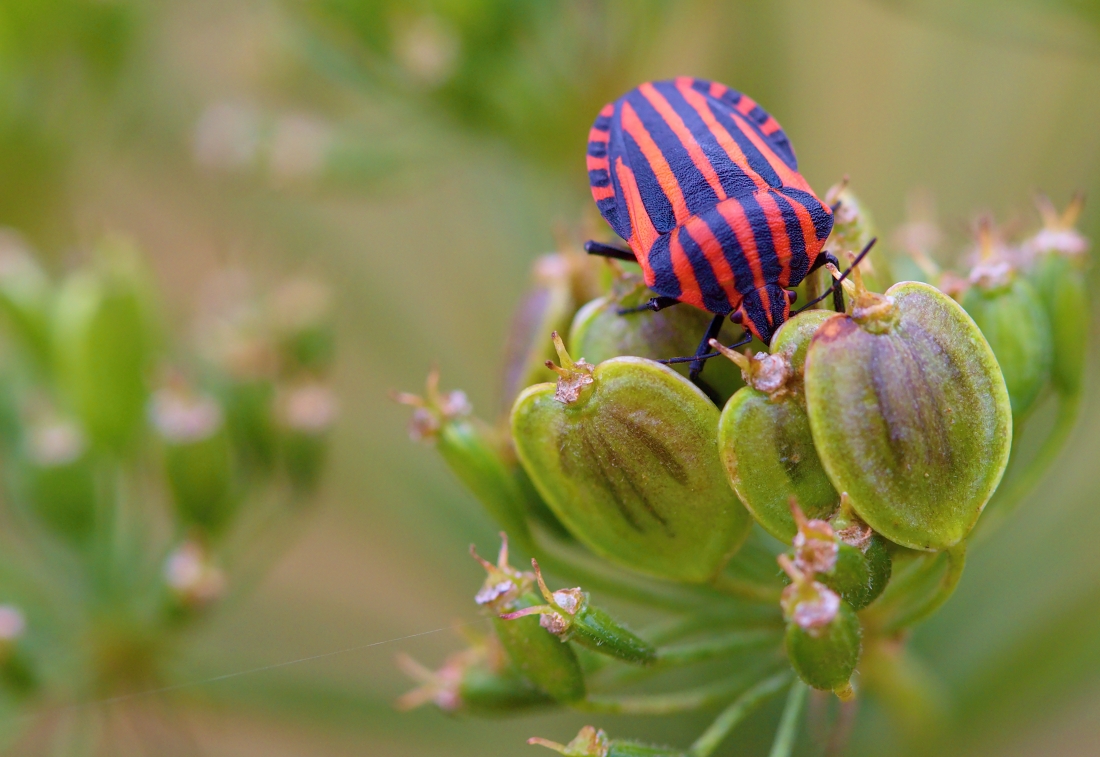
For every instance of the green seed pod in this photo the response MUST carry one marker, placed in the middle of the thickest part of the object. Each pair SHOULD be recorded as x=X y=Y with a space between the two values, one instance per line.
x=475 y=453
x=1013 y=321
x=308 y=412
x=25 y=297
x=853 y=229
x=478 y=681
x=568 y=615
x=909 y=413
x=59 y=479
x=539 y=656
x=561 y=282
x=600 y=332
x=765 y=442
x=591 y=742
x=1059 y=254
x=198 y=457
x=103 y=349
x=17 y=669
x=301 y=314
x=250 y=417
x=625 y=454
x=823 y=633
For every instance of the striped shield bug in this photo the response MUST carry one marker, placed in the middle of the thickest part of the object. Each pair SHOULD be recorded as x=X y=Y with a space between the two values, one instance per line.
x=704 y=187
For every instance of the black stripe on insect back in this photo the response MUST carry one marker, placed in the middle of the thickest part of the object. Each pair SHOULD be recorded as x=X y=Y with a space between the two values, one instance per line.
x=714 y=296
x=734 y=181
x=665 y=282
x=733 y=123
x=657 y=205
x=822 y=219
x=800 y=261
x=698 y=195
x=765 y=245
x=731 y=248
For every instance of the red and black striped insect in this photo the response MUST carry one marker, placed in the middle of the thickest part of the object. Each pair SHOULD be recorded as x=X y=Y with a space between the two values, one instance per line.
x=703 y=185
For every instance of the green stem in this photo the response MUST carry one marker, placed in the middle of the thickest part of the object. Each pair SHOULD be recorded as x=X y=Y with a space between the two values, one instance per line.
x=705 y=745
x=744 y=589
x=788 y=724
x=665 y=704
x=1021 y=484
x=956 y=561
x=717 y=647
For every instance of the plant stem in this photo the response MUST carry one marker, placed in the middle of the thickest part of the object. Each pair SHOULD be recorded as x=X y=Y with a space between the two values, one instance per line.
x=719 y=646
x=788 y=724
x=1021 y=484
x=667 y=704
x=956 y=561
x=705 y=745
x=747 y=590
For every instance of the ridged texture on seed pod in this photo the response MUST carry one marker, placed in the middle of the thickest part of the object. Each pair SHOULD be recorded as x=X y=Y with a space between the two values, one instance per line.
x=910 y=415
x=1013 y=321
x=630 y=466
x=768 y=451
x=1062 y=290
x=765 y=441
x=539 y=655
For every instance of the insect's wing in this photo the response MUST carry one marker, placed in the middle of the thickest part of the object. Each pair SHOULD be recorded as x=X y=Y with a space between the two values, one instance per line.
x=606 y=190
x=756 y=117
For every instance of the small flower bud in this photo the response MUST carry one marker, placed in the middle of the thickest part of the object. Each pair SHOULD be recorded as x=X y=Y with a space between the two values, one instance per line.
x=909 y=413
x=568 y=615
x=307 y=413
x=1013 y=321
x=197 y=456
x=625 y=454
x=764 y=435
x=601 y=332
x=59 y=479
x=539 y=656
x=591 y=742
x=17 y=670
x=1058 y=253
x=823 y=633
x=192 y=576
x=478 y=680
x=475 y=453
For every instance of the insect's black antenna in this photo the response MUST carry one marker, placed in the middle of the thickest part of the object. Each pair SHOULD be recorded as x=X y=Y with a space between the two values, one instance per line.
x=745 y=339
x=843 y=276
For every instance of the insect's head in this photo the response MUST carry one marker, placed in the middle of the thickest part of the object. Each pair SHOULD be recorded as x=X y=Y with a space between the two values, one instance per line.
x=764 y=310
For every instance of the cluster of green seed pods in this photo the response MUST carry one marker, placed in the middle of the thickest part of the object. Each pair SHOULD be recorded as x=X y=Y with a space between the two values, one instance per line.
x=853 y=441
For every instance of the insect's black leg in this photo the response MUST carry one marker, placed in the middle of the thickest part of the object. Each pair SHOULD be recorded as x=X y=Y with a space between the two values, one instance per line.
x=593 y=247
x=704 y=347
x=826 y=257
x=838 y=290
x=655 y=304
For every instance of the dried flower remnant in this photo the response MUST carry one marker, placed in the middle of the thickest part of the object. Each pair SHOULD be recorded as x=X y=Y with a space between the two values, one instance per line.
x=192 y=576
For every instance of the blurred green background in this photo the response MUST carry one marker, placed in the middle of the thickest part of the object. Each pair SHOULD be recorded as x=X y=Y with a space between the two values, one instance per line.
x=418 y=155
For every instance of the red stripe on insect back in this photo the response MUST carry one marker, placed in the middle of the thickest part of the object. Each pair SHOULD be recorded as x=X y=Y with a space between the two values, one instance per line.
x=769 y=127
x=789 y=177
x=717 y=90
x=596 y=164
x=644 y=233
x=681 y=266
x=712 y=249
x=780 y=240
x=603 y=193
x=745 y=105
x=598 y=135
x=725 y=141
x=656 y=159
x=742 y=229
x=680 y=129
x=809 y=233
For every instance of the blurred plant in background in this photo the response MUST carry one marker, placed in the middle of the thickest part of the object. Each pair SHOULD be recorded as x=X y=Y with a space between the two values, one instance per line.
x=144 y=485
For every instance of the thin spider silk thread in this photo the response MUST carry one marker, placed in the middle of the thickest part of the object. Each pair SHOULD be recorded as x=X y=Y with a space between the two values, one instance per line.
x=225 y=676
